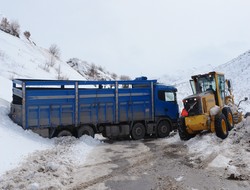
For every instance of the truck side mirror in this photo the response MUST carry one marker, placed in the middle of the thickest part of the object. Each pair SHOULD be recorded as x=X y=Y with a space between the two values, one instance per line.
x=246 y=98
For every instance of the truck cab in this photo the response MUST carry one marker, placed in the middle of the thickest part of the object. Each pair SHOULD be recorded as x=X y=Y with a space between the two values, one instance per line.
x=166 y=103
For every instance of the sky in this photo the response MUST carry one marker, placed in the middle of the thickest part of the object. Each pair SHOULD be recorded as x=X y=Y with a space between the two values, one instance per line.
x=138 y=37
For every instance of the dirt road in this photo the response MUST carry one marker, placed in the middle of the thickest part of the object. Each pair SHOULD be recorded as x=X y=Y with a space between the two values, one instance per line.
x=152 y=164
x=148 y=164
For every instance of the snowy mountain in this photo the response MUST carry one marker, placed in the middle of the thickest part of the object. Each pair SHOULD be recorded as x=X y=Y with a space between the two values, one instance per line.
x=237 y=70
x=21 y=58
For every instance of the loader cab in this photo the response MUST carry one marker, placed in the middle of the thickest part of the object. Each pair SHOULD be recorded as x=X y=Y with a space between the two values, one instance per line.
x=213 y=82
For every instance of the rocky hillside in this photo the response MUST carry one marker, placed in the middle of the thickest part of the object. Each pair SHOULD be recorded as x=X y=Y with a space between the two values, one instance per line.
x=93 y=72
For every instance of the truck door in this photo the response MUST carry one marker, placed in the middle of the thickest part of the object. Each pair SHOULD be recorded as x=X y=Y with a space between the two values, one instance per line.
x=166 y=104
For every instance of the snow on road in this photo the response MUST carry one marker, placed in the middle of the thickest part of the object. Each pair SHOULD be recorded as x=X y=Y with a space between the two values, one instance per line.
x=230 y=157
x=17 y=145
x=37 y=169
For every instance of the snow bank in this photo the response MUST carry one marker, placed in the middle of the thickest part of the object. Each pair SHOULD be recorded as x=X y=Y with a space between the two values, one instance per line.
x=21 y=58
x=15 y=143
x=51 y=168
x=5 y=89
x=214 y=110
x=230 y=157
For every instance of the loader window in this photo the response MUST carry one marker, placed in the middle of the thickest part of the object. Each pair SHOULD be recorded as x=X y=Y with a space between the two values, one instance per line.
x=206 y=83
x=166 y=96
x=221 y=80
x=193 y=86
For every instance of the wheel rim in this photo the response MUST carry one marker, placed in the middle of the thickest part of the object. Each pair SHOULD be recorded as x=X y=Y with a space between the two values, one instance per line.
x=164 y=129
x=224 y=126
x=230 y=119
x=138 y=131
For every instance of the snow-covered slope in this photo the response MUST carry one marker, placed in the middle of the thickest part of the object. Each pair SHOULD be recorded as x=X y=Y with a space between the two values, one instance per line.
x=90 y=71
x=237 y=70
x=20 y=58
x=94 y=72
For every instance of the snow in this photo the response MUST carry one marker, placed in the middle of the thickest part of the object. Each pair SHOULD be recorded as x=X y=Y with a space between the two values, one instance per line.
x=15 y=143
x=20 y=58
x=220 y=161
x=214 y=110
x=180 y=178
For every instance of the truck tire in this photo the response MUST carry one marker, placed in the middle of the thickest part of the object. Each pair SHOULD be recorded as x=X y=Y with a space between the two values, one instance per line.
x=182 y=130
x=64 y=133
x=163 y=129
x=221 y=128
x=229 y=118
x=85 y=130
x=138 y=131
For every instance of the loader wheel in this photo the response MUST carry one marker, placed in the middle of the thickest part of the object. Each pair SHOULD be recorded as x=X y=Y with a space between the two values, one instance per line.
x=229 y=117
x=163 y=129
x=182 y=130
x=138 y=131
x=85 y=130
x=64 y=133
x=221 y=128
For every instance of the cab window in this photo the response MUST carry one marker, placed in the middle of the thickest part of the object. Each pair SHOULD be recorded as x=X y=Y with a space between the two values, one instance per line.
x=221 y=82
x=166 y=96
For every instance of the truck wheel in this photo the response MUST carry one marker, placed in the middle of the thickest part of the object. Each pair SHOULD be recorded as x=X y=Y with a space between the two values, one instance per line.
x=163 y=129
x=182 y=130
x=64 y=133
x=85 y=130
x=221 y=128
x=229 y=117
x=138 y=131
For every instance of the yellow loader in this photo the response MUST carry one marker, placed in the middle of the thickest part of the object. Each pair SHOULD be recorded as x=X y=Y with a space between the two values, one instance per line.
x=211 y=107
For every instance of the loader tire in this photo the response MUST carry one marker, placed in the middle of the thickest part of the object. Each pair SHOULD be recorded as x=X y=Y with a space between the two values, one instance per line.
x=182 y=130
x=163 y=129
x=85 y=130
x=221 y=128
x=138 y=131
x=229 y=118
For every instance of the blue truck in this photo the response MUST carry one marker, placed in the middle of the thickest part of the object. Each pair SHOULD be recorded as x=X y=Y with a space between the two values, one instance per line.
x=125 y=108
